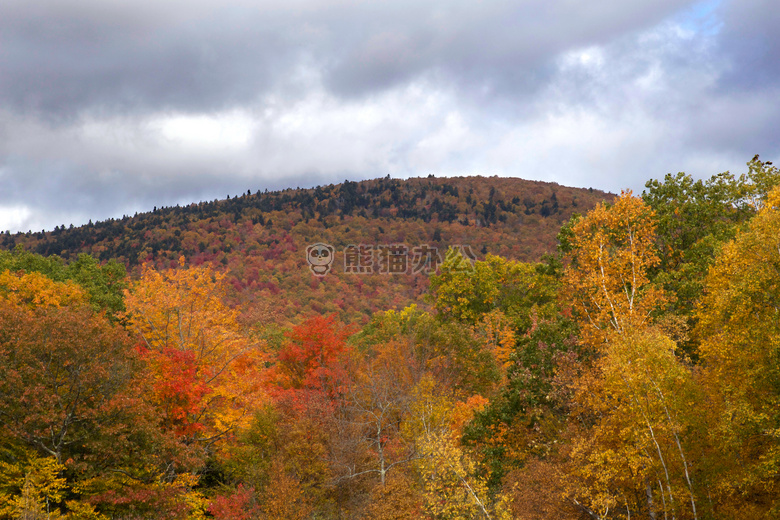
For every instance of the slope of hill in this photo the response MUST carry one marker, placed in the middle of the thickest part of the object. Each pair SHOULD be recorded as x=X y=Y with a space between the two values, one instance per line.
x=261 y=238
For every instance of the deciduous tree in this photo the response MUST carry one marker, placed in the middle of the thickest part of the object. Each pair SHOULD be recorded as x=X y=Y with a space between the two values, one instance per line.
x=740 y=331
x=205 y=370
x=612 y=248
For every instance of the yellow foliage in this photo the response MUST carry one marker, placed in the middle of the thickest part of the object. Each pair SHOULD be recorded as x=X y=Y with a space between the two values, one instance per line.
x=429 y=411
x=195 y=501
x=32 y=488
x=607 y=278
x=638 y=397
x=36 y=289
x=82 y=511
x=739 y=326
x=452 y=491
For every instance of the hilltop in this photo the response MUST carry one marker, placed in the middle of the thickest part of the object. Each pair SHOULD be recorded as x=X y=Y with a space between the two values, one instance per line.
x=261 y=237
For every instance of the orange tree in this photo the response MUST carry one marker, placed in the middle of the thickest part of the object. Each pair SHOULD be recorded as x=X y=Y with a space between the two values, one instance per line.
x=204 y=370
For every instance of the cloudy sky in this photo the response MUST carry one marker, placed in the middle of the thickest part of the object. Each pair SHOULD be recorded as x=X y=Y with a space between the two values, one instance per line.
x=108 y=107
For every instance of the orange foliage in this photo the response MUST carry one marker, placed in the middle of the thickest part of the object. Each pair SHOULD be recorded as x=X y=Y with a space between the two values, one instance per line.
x=204 y=369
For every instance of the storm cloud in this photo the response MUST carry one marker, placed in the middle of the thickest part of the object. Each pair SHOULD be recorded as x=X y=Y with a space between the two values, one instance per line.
x=108 y=108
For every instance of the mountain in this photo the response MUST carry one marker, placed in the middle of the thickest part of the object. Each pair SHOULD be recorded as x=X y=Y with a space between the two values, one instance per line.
x=261 y=238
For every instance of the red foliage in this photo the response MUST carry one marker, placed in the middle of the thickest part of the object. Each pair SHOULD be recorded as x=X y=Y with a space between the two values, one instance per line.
x=239 y=505
x=312 y=357
x=180 y=391
x=164 y=503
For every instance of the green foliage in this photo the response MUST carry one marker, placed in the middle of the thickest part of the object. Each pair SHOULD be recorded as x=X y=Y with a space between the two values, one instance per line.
x=694 y=219
x=20 y=260
x=566 y=234
x=525 y=416
x=515 y=422
x=514 y=288
x=755 y=185
x=105 y=284
x=251 y=457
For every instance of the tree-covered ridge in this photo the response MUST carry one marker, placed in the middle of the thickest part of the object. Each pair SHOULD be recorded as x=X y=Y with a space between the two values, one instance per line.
x=471 y=201
x=506 y=205
x=261 y=237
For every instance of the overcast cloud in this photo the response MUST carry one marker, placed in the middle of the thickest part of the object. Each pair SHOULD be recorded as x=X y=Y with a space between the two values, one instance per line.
x=108 y=107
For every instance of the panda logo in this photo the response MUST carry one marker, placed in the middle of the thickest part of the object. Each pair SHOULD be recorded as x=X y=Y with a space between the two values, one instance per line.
x=320 y=258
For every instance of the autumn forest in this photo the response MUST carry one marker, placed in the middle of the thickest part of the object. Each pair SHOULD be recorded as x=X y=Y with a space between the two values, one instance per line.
x=593 y=357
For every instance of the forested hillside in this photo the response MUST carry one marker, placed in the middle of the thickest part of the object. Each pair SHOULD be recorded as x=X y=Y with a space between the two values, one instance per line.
x=261 y=238
x=633 y=373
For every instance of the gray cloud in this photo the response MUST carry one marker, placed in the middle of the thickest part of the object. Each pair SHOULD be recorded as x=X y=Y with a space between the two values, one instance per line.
x=751 y=42
x=65 y=57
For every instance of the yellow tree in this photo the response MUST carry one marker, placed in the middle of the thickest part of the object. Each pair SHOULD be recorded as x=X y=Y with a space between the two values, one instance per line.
x=38 y=290
x=632 y=401
x=740 y=330
x=32 y=490
x=205 y=370
x=633 y=454
x=612 y=248
x=451 y=488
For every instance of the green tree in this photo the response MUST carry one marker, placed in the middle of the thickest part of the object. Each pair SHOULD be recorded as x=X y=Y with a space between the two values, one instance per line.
x=695 y=218
x=451 y=351
x=465 y=295
x=525 y=416
x=105 y=284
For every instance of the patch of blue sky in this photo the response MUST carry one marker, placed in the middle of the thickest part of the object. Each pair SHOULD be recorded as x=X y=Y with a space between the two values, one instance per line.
x=702 y=18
